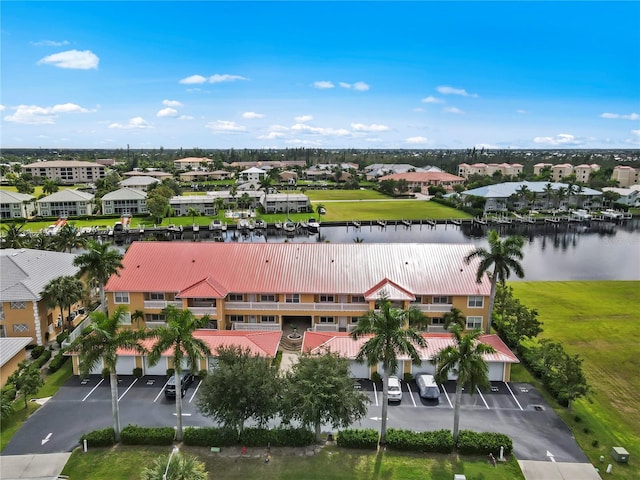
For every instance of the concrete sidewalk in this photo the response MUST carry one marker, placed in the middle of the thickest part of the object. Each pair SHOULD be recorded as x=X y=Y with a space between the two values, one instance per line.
x=33 y=467
x=537 y=470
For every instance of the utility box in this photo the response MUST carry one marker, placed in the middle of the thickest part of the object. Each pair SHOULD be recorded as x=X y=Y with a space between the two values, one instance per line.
x=620 y=455
x=457 y=476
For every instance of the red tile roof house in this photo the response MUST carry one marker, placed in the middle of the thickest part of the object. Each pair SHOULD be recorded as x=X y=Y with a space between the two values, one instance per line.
x=251 y=287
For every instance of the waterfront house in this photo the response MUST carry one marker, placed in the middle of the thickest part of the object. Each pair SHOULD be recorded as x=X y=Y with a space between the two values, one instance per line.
x=66 y=203
x=15 y=205
x=127 y=201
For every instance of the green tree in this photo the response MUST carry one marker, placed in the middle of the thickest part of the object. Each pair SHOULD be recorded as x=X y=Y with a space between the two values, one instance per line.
x=321 y=209
x=242 y=386
x=454 y=317
x=177 y=467
x=319 y=389
x=13 y=235
x=27 y=380
x=63 y=292
x=158 y=207
x=504 y=256
x=392 y=336
x=177 y=337
x=193 y=213
x=99 y=343
x=6 y=410
x=67 y=238
x=49 y=186
x=465 y=360
x=99 y=262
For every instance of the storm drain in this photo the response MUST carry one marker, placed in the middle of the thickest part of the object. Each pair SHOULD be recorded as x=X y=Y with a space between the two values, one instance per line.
x=536 y=408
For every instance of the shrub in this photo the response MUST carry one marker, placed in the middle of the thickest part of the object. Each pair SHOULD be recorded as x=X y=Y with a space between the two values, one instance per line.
x=61 y=338
x=8 y=393
x=57 y=362
x=408 y=377
x=255 y=437
x=483 y=443
x=135 y=435
x=291 y=437
x=202 y=374
x=439 y=441
x=210 y=437
x=376 y=377
x=595 y=443
x=366 y=438
x=37 y=351
x=100 y=438
x=42 y=359
x=170 y=372
x=137 y=372
x=105 y=372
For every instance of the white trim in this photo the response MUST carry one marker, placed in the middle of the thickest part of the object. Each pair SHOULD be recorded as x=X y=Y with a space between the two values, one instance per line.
x=36 y=321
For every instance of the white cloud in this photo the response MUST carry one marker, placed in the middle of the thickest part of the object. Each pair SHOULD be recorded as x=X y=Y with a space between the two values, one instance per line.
x=305 y=141
x=167 y=112
x=455 y=110
x=135 y=122
x=631 y=116
x=2 y=107
x=635 y=132
x=224 y=126
x=359 y=86
x=304 y=128
x=193 y=79
x=271 y=136
x=76 y=59
x=50 y=43
x=432 y=99
x=185 y=117
x=251 y=115
x=171 y=103
x=218 y=78
x=416 y=140
x=303 y=118
x=323 y=85
x=446 y=90
x=374 y=127
x=560 y=139
x=278 y=128
x=36 y=115
x=521 y=111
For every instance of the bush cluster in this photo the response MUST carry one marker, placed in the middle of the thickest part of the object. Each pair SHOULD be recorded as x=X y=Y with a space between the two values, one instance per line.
x=57 y=361
x=135 y=435
x=366 y=438
x=37 y=351
x=210 y=437
x=61 y=337
x=42 y=359
x=438 y=441
x=8 y=393
x=250 y=437
x=483 y=443
x=99 y=438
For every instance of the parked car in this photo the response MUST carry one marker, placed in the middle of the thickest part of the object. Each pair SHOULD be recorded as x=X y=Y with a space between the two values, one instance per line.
x=186 y=381
x=395 y=389
x=428 y=387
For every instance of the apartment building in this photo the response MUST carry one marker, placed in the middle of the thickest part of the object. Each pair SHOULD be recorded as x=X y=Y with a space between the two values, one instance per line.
x=626 y=176
x=66 y=203
x=67 y=172
x=15 y=205
x=192 y=163
x=465 y=170
x=423 y=180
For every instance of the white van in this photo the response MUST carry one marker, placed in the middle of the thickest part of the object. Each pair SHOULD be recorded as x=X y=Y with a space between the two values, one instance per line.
x=428 y=387
x=395 y=389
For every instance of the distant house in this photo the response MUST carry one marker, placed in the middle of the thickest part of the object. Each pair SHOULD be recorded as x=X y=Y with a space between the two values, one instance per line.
x=66 y=203
x=208 y=204
x=628 y=196
x=422 y=180
x=15 y=205
x=283 y=203
x=488 y=169
x=149 y=173
x=67 y=172
x=12 y=352
x=625 y=175
x=139 y=182
x=560 y=171
x=129 y=201
x=378 y=170
x=192 y=163
x=252 y=174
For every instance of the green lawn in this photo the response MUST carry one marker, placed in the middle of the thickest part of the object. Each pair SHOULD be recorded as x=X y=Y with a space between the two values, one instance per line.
x=389 y=209
x=600 y=321
x=328 y=195
x=330 y=463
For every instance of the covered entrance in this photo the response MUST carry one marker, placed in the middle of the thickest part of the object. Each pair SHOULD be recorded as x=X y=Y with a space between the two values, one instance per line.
x=299 y=323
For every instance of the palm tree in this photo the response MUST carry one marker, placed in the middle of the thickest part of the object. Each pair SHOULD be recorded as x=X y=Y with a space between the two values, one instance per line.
x=49 y=186
x=99 y=263
x=523 y=192
x=101 y=341
x=453 y=318
x=392 y=336
x=67 y=238
x=219 y=204
x=504 y=256
x=13 y=235
x=465 y=360
x=177 y=467
x=137 y=316
x=548 y=192
x=193 y=213
x=63 y=292
x=177 y=336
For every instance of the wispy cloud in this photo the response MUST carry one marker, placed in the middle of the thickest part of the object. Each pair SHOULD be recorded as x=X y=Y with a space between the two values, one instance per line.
x=432 y=99
x=73 y=59
x=447 y=90
x=271 y=136
x=454 y=110
x=304 y=128
x=193 y=80
x=303 y=118
x=225 y=126
x=323 y=84
x=36 y=115
x=185 y=117
x=631 y=116
x=560 y=139
x=635 y=132
x=50 y=43
x=221 y=78
x=521 y=111
x=133 y=123
x=167 y=112
x=2 y=107
x=358 y=86
x=252 y=115
x=416 y=140
x=171 y=103
x=374 y=127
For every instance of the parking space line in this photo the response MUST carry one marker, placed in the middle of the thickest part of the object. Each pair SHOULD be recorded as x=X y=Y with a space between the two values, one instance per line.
x=196 y=391
x=482 y=397
x=87 y=396
x=160 y=392
x=125 y=392
x=411 y=395
x=375 y=393
x=447 y=395
x=514 y=397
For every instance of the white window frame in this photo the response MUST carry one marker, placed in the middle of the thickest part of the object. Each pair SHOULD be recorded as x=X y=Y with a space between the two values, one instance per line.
x=126 y=318
x=236 y=318
x=236 y=297
x=437 y=321
x=438 y=299
x=155 y=296
x=292 y=298
x=267 y=319
x=20 y=327
x=474 y=322
x=358 y=299
x=154 y=317
x=326 y=298
x=18 y=305
x=327 y=320
x=121 y=297
x=268 y=297
x=472 y=301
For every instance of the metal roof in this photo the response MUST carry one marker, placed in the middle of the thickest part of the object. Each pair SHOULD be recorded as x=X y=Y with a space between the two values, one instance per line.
x=10 y=347
x=505 y=190
x=7 y=196
x=125 y=193
x=67 y=195
x=419 y=269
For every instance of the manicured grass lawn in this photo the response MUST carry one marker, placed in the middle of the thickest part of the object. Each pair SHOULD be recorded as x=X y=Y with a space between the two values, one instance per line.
x=389 y=209
x=331 y=463
x=600 y=321
x=328 y=195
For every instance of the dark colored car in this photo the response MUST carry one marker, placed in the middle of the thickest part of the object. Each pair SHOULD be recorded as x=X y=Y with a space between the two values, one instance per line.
x=186 y=381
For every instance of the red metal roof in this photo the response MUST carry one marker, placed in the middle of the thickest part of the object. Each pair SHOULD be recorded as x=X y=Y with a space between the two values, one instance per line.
x=420 y=269
x=342 y=344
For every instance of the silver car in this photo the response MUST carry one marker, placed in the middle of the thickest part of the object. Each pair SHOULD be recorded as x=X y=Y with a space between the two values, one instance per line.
x=395 y=389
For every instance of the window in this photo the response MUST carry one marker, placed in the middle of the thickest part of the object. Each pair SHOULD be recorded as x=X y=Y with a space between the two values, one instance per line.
x=1 y=311
x=292 y=298
x=236 y=297
x=268 y=298
x=437 y=321
x=327 y=320
x=475 y=301
x=357 y=299
x=18 y=305
x=354 y=320
x=121 y=297
x=418 y=300
x=268 y=319
x=442 y=300
x=474 y=323
x=236 y=318
x=126 y=318
x=154 y=317
x=155 y=296
x=20 y=327
x=324 y=298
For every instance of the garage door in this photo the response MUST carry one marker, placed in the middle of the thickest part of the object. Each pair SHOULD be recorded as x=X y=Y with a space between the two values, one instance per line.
x=125 y=365
x=359 y=370
x=425 y=367
x=97 y=370
x=496 y=372
x=158 y=369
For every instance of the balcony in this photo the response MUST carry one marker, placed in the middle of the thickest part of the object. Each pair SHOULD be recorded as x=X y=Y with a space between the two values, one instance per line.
x=211 y=311
x=433 y=307
x=155 y=324
x=160 y=304
x=298 y=307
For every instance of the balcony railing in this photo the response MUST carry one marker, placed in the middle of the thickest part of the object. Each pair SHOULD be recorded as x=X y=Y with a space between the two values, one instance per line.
x=211 y=311
x=160 y=304
x=434 y=307
x=257 y=326
x=283 y=306
x=155 y=324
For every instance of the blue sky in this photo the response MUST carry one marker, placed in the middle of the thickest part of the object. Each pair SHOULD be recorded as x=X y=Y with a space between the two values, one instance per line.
x=320 y=74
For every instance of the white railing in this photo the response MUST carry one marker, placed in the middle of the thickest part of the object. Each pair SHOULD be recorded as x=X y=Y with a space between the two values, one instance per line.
x=326 y=327
x=323 y=307
x=155 y=324
x=434 y=307
x=436 y=329
x=161 y=304
x=76 y=331
x=257 y=326
x=351 y=327
x=203 y=310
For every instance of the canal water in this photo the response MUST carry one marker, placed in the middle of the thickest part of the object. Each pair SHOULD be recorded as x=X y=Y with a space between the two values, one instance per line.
x=567 y=251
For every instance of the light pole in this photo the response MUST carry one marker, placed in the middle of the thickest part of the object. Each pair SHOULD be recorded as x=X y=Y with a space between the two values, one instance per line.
x=166 y=470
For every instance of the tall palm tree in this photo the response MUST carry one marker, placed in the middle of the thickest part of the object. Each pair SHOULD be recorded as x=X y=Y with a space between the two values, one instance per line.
x=99 y=263
x=63 y=292
x=177 y=337
x=548 y=193
x=504 y=256
x=453 y=318
x=193 y=213
x=67 y=238
x=392 y=336
x=100 y=341
x=465 y=360
x=13 y=235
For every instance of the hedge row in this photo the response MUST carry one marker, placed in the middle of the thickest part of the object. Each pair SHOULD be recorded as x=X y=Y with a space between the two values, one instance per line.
x=37 y=351
x=135 y=435
x=483 y=443
x=42 y=358
x=366 y=438
x=250 y=437
x=438 y=441
x=57 y=362
x=8 y=393
x=99 y=438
